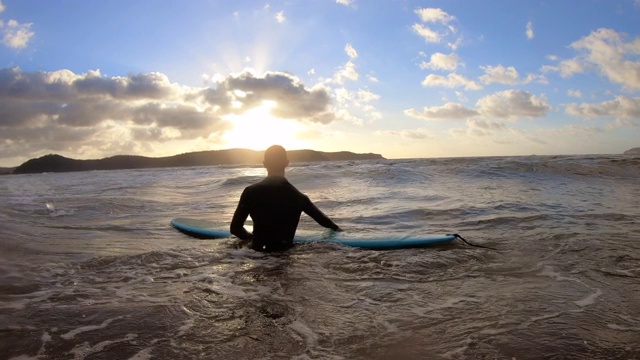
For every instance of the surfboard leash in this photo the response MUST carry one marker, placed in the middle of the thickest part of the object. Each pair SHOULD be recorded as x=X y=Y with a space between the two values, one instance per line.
x=470 y=244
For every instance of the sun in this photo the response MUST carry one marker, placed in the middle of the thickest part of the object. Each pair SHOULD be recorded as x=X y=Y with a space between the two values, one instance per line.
x=257 y=129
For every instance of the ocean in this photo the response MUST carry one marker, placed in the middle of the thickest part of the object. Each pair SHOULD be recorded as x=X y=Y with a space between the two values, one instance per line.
x=91 y=269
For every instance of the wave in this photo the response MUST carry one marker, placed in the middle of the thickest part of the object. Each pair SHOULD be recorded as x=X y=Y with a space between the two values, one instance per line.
x=589 y=166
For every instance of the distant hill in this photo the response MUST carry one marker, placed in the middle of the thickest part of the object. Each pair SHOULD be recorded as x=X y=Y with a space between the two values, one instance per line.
x=634 y=151
x=58 y=163
x=5 y=171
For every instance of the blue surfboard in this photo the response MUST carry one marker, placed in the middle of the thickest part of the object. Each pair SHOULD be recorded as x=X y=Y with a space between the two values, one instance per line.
x=205 y=229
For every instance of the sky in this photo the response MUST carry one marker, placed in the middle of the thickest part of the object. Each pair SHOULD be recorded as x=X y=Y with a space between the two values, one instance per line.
x=90 y=79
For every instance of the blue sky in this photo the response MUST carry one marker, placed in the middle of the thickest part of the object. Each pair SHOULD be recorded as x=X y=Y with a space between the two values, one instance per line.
x=90 y=79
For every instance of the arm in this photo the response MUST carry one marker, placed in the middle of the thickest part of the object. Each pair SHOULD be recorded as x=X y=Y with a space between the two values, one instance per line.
x=312 y=210
x=239 y=217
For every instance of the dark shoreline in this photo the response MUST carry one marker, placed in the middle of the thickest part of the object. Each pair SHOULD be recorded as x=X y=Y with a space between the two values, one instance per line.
x=58 y=163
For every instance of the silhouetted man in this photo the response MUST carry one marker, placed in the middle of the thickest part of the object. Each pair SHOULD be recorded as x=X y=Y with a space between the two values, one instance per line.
x=275 y=207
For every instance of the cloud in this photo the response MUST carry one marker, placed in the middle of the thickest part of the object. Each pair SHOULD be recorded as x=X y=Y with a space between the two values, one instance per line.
x=438 y=26
x=433 y=15
x=507 y=75
x=511 y=104
x=351 y=52
x=63 y=110
x=529 y=30
x=566 y=68
x=280 y=17
x=1 y=7
x=607 y=52
x=346 y=72
x=414 y=134
x=450 y=111
x=16 y=35
x=452 y=80
x=621 y=107
x=622 y=123
x=426 y=33
x=614 y=58
x=440 y=61
x=293 y=99
x=361 y=100
x=345 y=2
x=574 y=93
x=499 y=74
x=485 y=125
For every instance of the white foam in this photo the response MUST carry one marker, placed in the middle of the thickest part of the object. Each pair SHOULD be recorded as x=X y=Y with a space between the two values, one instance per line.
x=144 y=354
x=24 y=357
x=589 y=300
x=548 y=271
x=45 y=339
x=182 y=330
x=71 y=334
x=305 y=333
x=622 y=328
x=83 y=350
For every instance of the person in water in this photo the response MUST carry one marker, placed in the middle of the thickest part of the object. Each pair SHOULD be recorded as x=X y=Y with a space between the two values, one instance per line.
x=275 y=207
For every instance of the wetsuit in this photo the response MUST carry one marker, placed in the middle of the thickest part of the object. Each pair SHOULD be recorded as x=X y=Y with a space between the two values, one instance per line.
x=275 y=207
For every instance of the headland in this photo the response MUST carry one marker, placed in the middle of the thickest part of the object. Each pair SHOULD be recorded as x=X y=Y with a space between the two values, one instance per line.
x=58 y=163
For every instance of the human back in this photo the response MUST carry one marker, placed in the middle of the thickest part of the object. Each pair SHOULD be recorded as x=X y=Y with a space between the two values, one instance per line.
x=275 y=206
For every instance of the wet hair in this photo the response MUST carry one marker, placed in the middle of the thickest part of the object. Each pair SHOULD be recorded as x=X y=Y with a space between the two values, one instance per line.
x=275 y=157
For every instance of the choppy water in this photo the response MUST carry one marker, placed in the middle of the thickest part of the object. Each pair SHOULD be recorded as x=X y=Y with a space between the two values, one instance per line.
x=91 y=269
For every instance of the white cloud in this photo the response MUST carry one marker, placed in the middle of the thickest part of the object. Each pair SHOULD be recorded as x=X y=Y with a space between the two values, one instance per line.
x=566 y=68
x=1 y=6
x=512 y=104
x=507 y=75
x=614 y=58
x=485 y=125
x=480 y=128
x=449 y=111
x=16 y=35
x=529 y=30
x=499 y=74
x=414 y=134
x=622 y=107
x=574 y=93
x=452 y=80
x=346 y=72
x=623 y=123
x=61 y=109
x=280 y=17
x=441 y=21
x=351 y=51
x=527 y=136
x=434 y=15
x=440 y=61
x=345 y=2
x=359 y=100
x=426 y=33
x=606 y=51
x=367 y=96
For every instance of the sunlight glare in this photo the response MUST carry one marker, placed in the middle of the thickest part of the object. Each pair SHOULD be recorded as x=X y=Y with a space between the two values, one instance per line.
x=257 y=129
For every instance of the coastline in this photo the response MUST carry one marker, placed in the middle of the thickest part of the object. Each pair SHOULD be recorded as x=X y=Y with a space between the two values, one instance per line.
x=58 y=163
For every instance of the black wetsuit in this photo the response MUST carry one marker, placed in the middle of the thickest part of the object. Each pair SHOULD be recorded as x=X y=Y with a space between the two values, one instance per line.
x=275 y=207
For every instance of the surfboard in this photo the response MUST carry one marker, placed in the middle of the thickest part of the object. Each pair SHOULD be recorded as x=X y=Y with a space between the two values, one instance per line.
x=205 y=229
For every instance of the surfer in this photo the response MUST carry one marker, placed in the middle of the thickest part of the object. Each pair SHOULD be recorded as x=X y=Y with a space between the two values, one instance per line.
x=275 y=207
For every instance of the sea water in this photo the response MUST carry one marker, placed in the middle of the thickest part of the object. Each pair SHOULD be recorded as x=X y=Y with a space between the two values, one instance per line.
x=91 y=269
